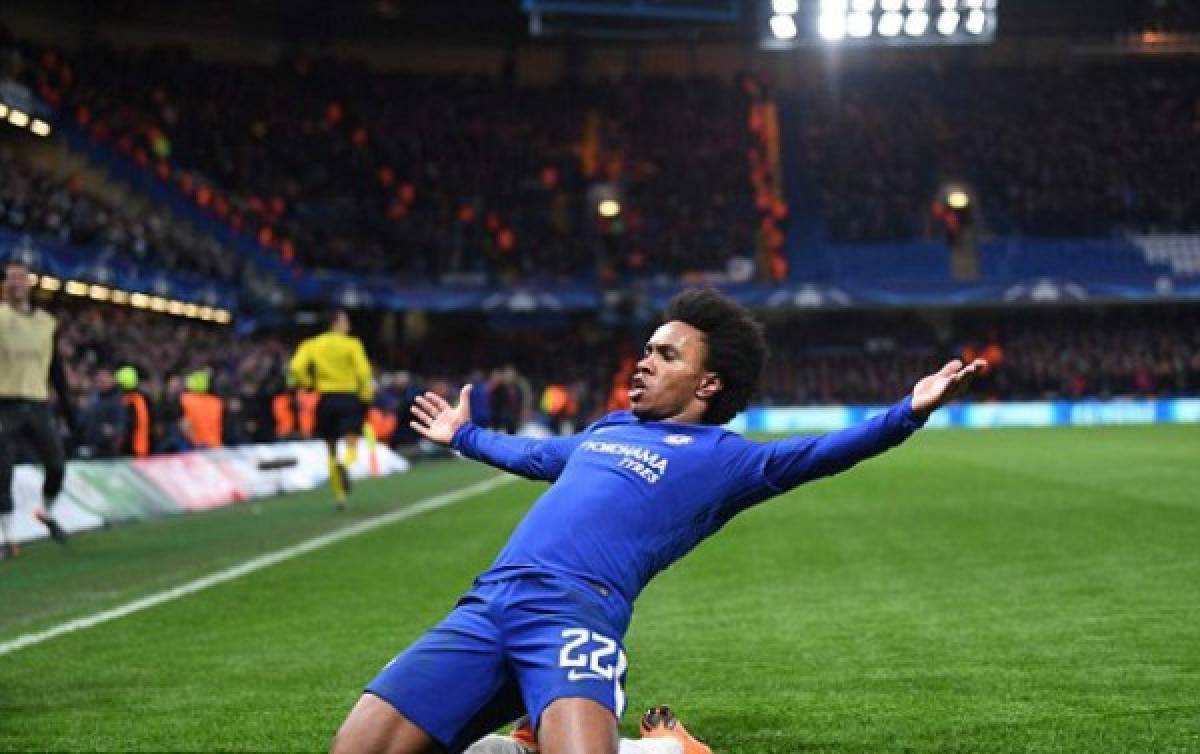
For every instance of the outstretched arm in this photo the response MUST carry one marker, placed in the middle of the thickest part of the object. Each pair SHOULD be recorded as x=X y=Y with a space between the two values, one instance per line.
x=797 y=460
x=450 y=426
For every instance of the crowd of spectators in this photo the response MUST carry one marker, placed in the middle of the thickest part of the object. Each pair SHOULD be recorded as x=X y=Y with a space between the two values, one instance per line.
x=37 y=201
x=422 y=177
x=1080 y=151
x=1036 y=355
x=564 y=377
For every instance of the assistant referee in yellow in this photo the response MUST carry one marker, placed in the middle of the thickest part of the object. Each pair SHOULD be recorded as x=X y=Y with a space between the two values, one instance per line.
x=335 y=364
x=27 y=362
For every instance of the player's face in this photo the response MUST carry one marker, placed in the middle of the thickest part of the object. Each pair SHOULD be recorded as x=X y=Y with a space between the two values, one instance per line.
x=670 y=381
x=16 y=283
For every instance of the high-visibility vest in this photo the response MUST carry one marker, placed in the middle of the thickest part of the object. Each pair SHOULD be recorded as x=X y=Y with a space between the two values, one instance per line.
x=307 y=401
x=382 y=422
x=139 y=429
x=203 y=412
x=284 y=410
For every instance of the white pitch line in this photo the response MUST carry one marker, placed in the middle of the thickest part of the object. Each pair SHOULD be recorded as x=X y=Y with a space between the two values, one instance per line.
x=257 y=564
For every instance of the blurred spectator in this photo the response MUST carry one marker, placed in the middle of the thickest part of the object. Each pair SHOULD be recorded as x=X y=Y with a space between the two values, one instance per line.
x=103 y=423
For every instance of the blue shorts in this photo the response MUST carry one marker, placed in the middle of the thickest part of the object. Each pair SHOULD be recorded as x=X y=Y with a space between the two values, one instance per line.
x=508 y=647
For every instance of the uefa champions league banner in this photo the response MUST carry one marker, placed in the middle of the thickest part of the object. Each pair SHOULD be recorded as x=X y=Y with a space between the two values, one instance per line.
x=979 y=415
x=96 y=493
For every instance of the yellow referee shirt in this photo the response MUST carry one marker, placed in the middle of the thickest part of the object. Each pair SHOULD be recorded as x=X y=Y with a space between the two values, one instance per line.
x=333 y=363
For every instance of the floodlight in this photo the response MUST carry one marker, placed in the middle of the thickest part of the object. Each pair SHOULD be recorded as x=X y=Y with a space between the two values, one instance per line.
x=890 y=24
x=40 y=128
x=832 y=26
x=863 y=6
x=787 y=7
x=916 y=23
x=611 y=207
x=947 y=22
x=783 y=27
x=18 y=118
x=858 y=25
x=976 y=21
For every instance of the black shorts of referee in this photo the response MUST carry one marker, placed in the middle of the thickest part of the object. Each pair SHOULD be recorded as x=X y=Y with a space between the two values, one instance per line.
x=338 y=415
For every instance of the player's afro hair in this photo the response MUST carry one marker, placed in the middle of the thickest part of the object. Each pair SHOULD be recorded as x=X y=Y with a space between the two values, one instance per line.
x=737 y=347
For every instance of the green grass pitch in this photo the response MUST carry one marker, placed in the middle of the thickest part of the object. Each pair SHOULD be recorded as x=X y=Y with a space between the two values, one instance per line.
x=990 y=591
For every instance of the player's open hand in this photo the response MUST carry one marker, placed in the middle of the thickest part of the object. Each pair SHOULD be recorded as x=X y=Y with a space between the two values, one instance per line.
x=437 y=420
x=943 y=386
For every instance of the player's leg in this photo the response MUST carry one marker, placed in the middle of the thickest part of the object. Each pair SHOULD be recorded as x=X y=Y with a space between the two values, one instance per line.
x=8 y=548
x=575 y=725
x=376 y=727
x=39 y=427
x=447 y=690
x=337 y=482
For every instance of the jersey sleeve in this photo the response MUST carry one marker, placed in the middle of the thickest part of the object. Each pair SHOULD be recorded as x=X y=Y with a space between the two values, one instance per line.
x=539 y=459
x=781 y=465
x=362 y=371
x=301 y=365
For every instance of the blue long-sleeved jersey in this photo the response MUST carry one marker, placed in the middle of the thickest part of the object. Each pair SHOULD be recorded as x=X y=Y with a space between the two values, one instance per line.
x=630 y=497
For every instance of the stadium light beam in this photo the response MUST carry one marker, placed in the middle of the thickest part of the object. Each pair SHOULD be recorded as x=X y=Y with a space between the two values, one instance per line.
x=916 y=23
x=120 y=297
x=947 y=22
x=76 y=288
x=18 y=118
x=783 y=27
x=98 y=292
x=50 y=283
x=40 y=128
x=139 y=301
x=785 y=7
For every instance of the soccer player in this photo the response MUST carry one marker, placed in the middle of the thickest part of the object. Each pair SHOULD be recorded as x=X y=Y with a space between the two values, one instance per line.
x=335 y=364
x=541 y=630
x=27 y=359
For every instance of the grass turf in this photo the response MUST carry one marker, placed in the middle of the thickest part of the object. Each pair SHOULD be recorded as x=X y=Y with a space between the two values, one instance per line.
x=994 y=591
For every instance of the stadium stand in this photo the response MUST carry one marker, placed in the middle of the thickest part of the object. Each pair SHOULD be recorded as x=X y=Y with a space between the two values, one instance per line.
x=424 y=177
x=1086 y=151
x=36 y=201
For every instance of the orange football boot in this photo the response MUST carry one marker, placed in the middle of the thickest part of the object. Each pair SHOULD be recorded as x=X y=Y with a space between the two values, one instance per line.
x=524 y=735
x=660 y=722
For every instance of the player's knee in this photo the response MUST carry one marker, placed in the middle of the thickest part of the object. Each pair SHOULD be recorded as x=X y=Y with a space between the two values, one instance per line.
x=375 y=727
